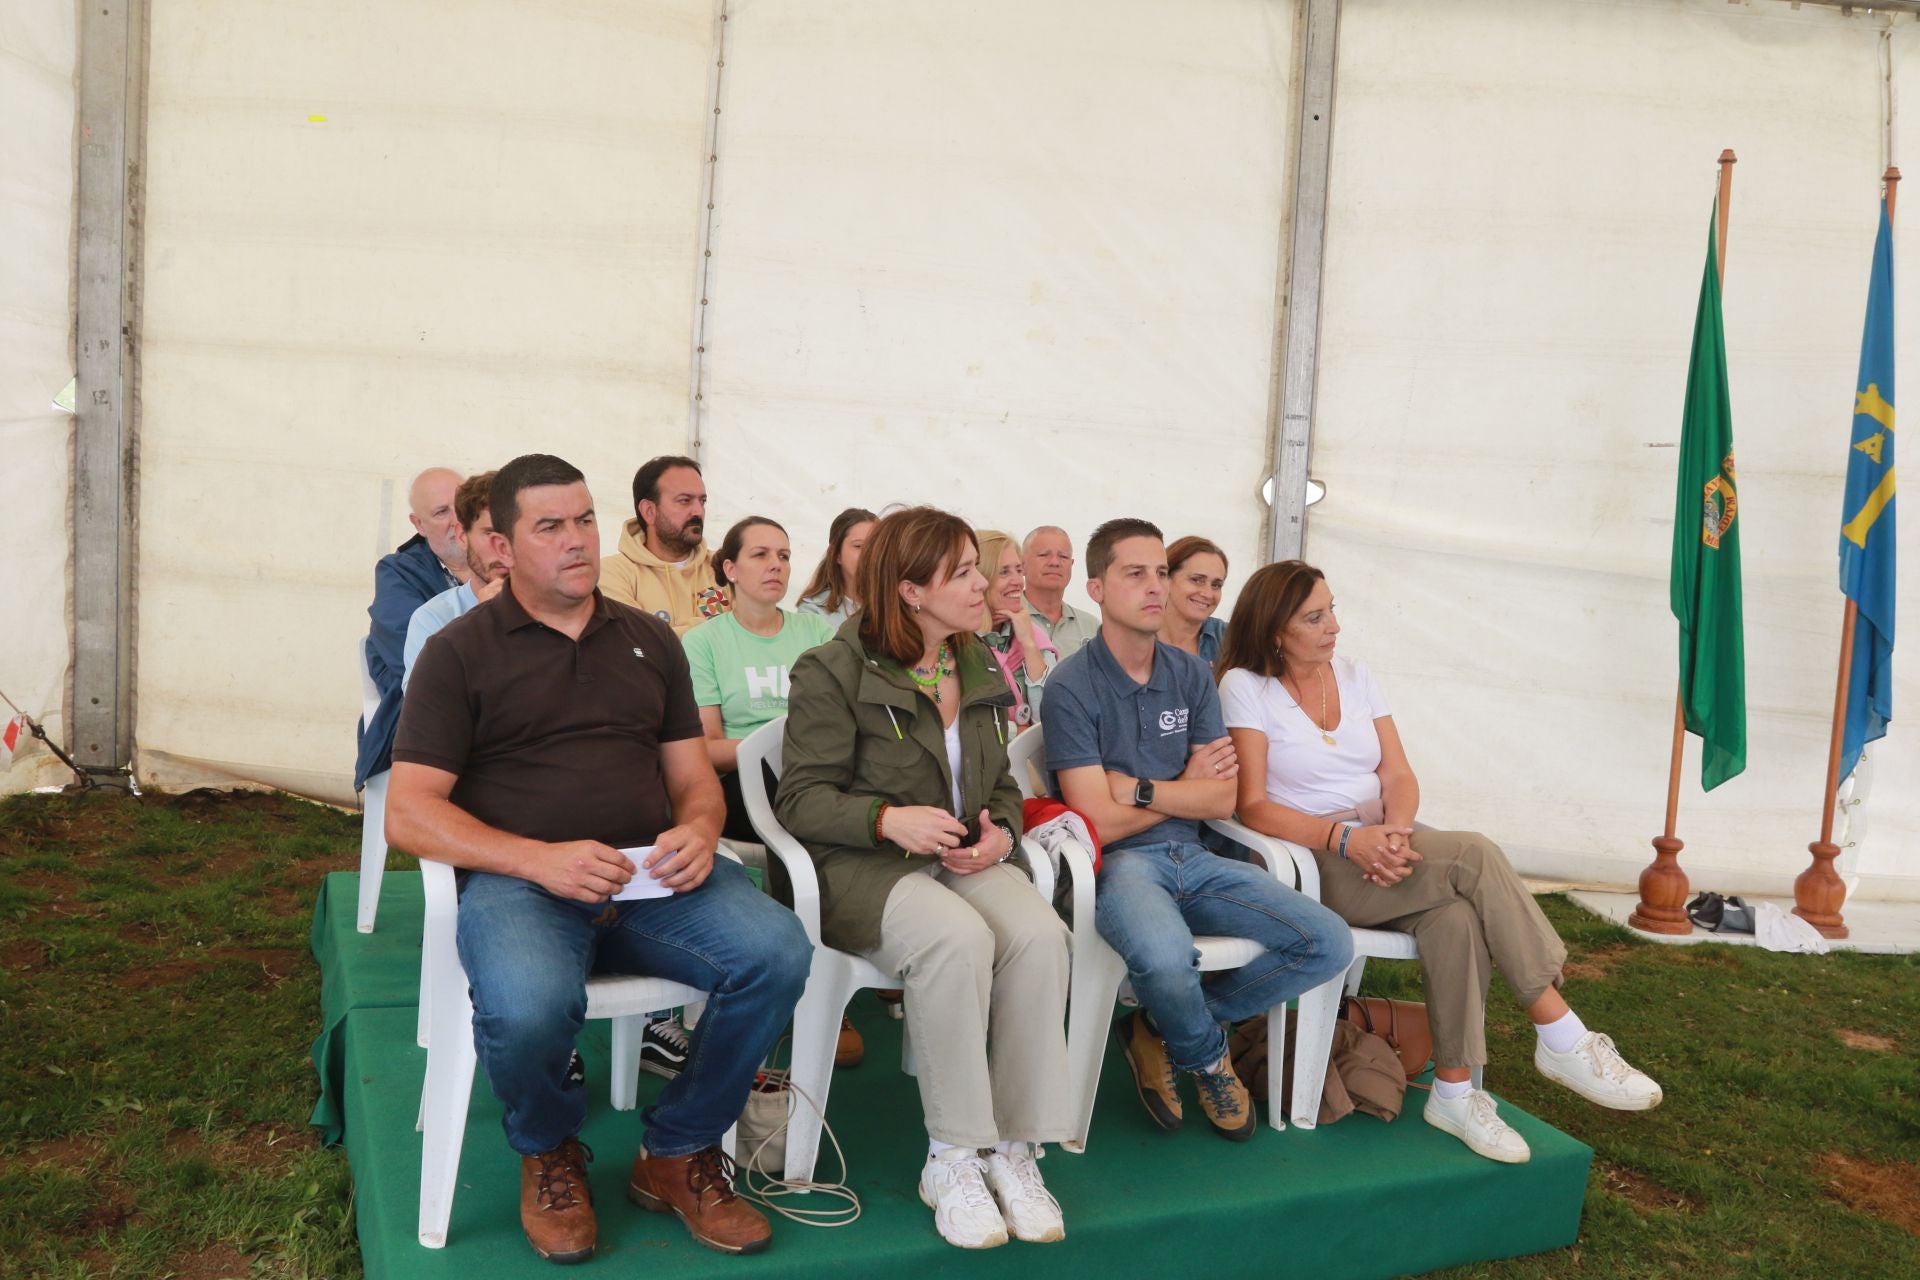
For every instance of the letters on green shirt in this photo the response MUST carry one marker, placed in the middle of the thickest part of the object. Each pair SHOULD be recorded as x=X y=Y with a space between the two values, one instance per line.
x=746 y=675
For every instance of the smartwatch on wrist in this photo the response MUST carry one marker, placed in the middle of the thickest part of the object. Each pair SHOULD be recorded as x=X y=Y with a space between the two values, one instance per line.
x=1143 y=793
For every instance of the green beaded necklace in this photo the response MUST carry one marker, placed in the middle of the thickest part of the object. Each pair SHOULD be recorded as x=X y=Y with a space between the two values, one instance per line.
x=942 y=668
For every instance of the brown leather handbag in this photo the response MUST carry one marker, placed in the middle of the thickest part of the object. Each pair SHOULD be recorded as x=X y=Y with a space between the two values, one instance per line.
x=1401 y=1023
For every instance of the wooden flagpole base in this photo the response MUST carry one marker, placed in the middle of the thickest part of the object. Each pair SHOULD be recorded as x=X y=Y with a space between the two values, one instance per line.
x=1818 y=891
x=1663 y=892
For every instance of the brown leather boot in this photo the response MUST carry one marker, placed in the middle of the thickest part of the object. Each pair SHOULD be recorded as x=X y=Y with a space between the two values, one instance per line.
x=851 y=1051
x=556 y=1203
x=699 y=1188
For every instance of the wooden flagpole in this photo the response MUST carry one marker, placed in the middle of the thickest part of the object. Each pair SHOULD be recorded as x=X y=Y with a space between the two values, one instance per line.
x=1663 y=885
x=1818 y=892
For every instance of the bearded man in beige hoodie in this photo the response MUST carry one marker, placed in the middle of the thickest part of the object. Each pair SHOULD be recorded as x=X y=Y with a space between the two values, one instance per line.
x=663 y=566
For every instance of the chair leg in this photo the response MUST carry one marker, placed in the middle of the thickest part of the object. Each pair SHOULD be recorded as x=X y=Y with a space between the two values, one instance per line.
x=816 y=1034
x=1354 y=973
x=447 y=1091
x=909 y=1061
x=624 y=1075
x=373 y=847
x=423 y=1023
x=1091 y=989
x=1319 y=1008
x=1276 y=1099
x=1479 y=1077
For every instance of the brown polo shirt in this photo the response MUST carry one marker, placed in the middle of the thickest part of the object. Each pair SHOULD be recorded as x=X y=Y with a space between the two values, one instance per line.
x=552 y=738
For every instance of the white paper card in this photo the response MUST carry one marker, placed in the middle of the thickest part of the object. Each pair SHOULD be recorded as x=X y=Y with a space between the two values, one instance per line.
x=643 y=885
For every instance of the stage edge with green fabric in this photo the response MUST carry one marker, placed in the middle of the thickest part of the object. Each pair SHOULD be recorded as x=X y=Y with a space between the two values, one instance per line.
x=1355 y=1199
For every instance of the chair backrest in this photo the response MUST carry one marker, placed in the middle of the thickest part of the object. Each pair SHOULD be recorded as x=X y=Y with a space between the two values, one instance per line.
x=369 y=691
x=766 y=746
x=1027 y=761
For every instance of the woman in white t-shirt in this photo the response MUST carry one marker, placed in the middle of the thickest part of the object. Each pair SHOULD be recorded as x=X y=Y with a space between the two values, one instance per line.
x=1321 y=764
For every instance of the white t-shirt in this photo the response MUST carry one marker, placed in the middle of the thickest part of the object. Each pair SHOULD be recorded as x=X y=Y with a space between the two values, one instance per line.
x=953 y=764
x=1303 y=772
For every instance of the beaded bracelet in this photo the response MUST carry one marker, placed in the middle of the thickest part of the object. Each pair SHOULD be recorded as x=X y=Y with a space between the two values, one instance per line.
x=880 y=821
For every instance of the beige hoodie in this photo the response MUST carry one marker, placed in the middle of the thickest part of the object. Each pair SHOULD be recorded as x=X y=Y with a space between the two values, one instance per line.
x=683 y=595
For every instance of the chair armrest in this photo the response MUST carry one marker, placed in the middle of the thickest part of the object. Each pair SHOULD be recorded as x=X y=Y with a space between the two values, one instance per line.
x=440 y=891
x=1040 y=864
x=801 y=875
x=1079 y=864
x=1275 y=852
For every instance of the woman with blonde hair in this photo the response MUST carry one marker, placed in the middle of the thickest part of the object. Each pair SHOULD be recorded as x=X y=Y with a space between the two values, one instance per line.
x=1020 y=644
x=896 y=781
x=1321 y=764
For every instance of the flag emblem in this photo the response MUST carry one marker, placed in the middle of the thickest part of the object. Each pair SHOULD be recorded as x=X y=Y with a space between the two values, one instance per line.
x=1722 y=505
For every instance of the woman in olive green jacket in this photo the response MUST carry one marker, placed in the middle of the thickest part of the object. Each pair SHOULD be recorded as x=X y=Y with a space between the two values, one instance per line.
x=896 y=780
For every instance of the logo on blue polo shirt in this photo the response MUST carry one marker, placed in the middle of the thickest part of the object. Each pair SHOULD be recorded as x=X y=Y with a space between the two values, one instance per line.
x=1173 y=721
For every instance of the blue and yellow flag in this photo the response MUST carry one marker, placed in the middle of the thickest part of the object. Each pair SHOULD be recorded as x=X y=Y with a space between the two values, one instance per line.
x=1866 y=531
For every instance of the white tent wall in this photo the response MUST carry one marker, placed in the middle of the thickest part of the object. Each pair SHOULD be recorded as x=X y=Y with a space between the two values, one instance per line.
x=1518 y=228
x=1015 y=259
x=37 y=104
x=382 y=236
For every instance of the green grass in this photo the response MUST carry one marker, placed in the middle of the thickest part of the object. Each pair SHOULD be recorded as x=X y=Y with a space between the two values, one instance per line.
x=157 y=1001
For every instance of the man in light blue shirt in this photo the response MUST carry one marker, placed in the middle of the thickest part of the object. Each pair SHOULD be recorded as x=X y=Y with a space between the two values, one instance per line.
x=470 y=504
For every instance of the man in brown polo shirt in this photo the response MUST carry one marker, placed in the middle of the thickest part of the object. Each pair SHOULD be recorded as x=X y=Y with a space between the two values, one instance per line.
x=550 y=747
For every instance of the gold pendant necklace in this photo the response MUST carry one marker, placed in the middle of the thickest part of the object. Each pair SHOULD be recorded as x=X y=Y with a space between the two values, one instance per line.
x=1326 y=730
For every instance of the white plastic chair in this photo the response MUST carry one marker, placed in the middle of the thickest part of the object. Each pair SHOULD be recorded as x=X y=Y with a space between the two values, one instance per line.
x=451 y=1056
x=1099 y=973
x=373 y=806
x=835 y=975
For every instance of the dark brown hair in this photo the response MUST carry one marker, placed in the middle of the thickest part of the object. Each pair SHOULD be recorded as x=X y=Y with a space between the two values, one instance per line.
x=1267 y=603
x=528 y=471
x=472 y=498
x=828 y=577
x=1190 y=546
x=1100 y=545
x=914 y=545
x=730 y=545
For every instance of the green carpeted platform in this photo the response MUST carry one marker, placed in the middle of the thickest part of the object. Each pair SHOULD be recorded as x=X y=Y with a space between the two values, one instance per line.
x=1359 y=1198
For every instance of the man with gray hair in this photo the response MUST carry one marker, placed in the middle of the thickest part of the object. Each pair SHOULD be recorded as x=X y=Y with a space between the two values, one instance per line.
x=433 y=560
x=1048 y=556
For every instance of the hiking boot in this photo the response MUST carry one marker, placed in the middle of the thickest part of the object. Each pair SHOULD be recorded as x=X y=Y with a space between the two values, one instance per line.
x=663 y=1047
x=954 y=1185
x=1225 y=1101
x=699 y=1188
x=1475 y=1119
x=852 y=1050
x=556 y=1204
x=1031 y=1212
x=1153 y=1075
x=1594 y=1069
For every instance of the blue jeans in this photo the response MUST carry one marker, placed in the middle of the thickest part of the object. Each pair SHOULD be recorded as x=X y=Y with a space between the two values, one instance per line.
x=1154 y=898
x=527 y=955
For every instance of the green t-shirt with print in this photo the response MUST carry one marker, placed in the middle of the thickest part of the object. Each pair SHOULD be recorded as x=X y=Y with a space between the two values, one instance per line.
x=745 y=675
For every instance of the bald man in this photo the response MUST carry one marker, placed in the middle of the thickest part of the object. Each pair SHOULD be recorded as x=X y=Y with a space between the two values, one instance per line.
x=431 y=561
x=1048 y=557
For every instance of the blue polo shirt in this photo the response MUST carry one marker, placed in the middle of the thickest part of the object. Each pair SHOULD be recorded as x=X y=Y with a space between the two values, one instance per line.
x=1098 y=715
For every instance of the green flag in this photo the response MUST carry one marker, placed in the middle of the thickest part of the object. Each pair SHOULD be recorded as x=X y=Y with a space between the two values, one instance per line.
x=1706 y=551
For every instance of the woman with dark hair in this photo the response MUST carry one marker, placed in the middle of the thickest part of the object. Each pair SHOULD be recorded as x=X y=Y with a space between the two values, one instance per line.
x=1019 y=642
x=831 y=589
x=1196 y=572
x=1321 y=764
x=896 y=780
x=740 y=660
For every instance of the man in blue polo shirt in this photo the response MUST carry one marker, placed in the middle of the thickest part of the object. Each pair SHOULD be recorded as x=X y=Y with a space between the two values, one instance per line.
x=1136 y=743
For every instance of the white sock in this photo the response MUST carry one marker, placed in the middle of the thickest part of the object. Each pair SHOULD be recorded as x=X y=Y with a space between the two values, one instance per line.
x=1450 y=1090
x=935 y=1147
x=1562 y=1033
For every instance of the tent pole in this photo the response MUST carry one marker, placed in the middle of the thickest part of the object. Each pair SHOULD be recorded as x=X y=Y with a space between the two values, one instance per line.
x=1291 y=418
x=109 y=159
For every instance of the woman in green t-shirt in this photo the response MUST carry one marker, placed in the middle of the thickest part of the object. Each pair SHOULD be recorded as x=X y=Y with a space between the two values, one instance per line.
x=739 y=661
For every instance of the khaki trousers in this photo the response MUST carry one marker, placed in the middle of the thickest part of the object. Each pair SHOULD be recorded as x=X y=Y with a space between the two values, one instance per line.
x=1471 y=914
x=984 y=962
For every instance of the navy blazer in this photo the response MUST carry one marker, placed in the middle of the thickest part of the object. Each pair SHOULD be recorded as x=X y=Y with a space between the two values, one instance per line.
x=402 y=582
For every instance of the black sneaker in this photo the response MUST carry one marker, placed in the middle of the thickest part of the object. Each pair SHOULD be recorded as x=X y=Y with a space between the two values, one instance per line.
x=663 y=1048
x=576 y=1077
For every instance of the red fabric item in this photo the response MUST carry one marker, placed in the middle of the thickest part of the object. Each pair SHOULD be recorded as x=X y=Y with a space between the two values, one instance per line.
x=1045 y=809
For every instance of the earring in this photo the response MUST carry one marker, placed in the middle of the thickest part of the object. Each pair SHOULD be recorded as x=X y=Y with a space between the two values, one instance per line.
x=916 y=608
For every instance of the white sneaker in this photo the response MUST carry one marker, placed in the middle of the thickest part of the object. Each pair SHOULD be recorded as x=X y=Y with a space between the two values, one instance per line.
x=1475 y=1120
x=1030 y=1210
x=954 y=1186
x=1594 y=1069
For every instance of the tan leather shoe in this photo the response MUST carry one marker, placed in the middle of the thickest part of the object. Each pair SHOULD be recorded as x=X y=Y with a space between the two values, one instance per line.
x=1153 y=1077
x=852 y=1050
x=699 y=1188
x=556 y=1203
